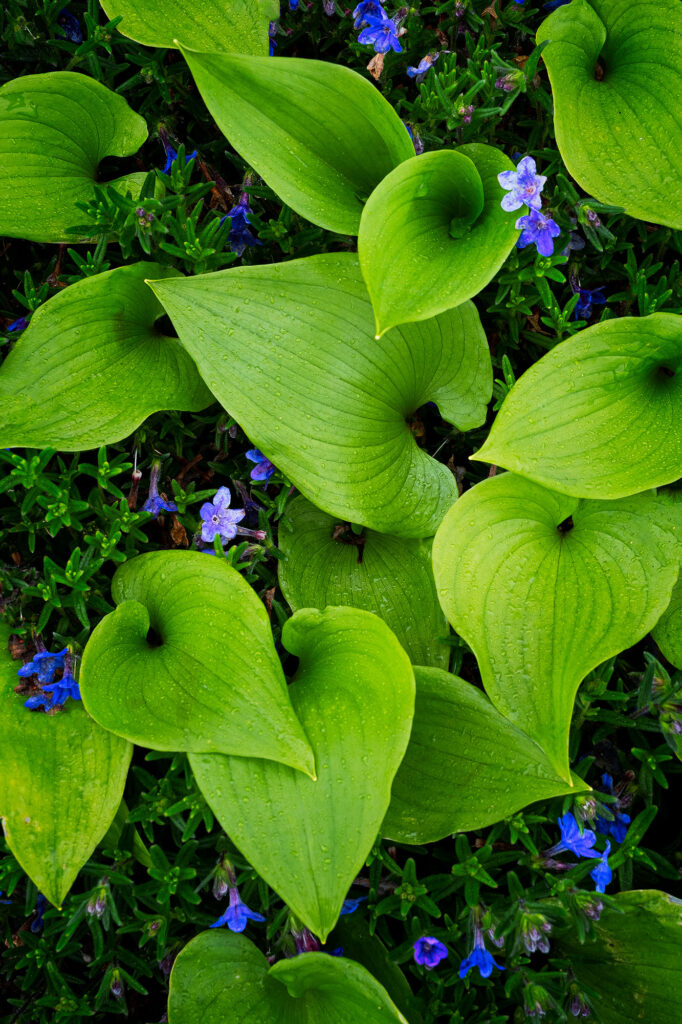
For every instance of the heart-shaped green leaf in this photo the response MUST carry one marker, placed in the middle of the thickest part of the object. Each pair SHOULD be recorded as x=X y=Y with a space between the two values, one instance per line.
x=237 y=26
x=91 y=366
x=458 y=735
x=354 y=695
x=433 y=233
x=319 y=134
x=220 y=977
x=616 y=73
x=298 y=338
x=54 y=131
x=631 y=969
x=598 y=416
x=61 y=783
x=668 y=630
x=194 y=663
x=325 y=563
x=545 y=587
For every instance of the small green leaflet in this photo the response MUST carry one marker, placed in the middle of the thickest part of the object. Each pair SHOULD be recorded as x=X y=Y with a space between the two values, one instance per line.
x=297 y=338
x=238 y=26
x=354 y=695
x=433 y=233
x=91 y=366
x=54 y=131
x=599 y=415
x=618 y=128
x=61 y=783
x=454 y=777
x=220 y=977
x=320 y=134
x=390 y=576
x=545 y=587
x=207 y=676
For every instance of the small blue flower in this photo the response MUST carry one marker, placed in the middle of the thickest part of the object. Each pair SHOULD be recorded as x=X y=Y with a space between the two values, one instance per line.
x=619 y=826
x=41 y=907
x=71 y=25
x=63 y=689
x=573 y=840
x=155 y=504
x=43 y=665
x=583 y=307
x=237 y=914
x=423 y=66
x=538 y=229
x=18 y=325
x=171 y=153
x=524 y=186
x=381 y=33
x=367 y=9
x=219 y=518
x=351 y=905
x=480 y=958
x=553 y=4
x=429 y=952
x=293 y=5
x=602 y=874
x=272 y=33
x=263 y=469
x=41 y=700
x=241 y=233
x=6 y=902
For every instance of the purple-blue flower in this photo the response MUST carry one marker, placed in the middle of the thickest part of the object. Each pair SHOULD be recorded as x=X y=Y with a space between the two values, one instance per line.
x=272 y=33
x=381 y=33
x=588 y=298
x=71 y=25
x=479 y=957
x=18 y=325
x=171 y=153
x=524 y=186
x=539 y=229
x=64 y=688
x=219 y=518
x=573 y=840
x=155 y=504
x=553 y=4
x=423 y=66
x=367 y=9
x=351 y=905
x=293 y=5
x=263 y=469
x=40 y=700
x=619 y=826
x=602 y=874
x=237 y=914
x=41 y=907
x=43 y=665
x=241 y=233
x=429 y=952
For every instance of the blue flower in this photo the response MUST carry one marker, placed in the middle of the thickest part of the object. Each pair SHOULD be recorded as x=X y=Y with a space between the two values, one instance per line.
x=538 y=229
x=263 y=469
x=619 y=826
x=18 y=325
x=367 y=9
x=41 y=700
x=479 y=957
x=583 y=307
x=71 y=25
x=524 y=186
x=6 y=902
x=272 y=32
x=43 y=665
x=381 y=33
x=423 y=66
x=41 y=907
x=237 y=914
x=572 y=839
x=553 y=4
x=293 y=5
x=63 y=689
x=219 y=518
x=602 y=874
x=351 y=905
x=155 y=504
x=429 y=952
x=241 y=233
x=171 y=153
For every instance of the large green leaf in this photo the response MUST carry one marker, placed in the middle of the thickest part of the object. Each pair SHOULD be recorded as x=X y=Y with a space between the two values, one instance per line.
x=237 y=26
x=91 y=366
x=194 y=663
x=599 y=415
x=492 y=767
x=354 y=694
x=220 y=977
x=433 y=233
x=390 y=576
x=54 y=131
x=61 y=784
x=289 y=351
x=668 y=630
x=320 y=135
x=619 y=129
x=632 y=969
x=545 y=587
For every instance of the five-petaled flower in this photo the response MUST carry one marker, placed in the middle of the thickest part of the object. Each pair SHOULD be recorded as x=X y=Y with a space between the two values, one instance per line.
x=524 y=186
x=479 y=957
x=155 y=504
x=367 y=9
x=263 y=469
x=587 y=299
x=64 y=688
x=219 y=518
x=44 y=664
x=573 y=840
x=423 y=66
x=429 y=952
x=241 y=232
x=381 y=33
x=539 y=229
x=602 y=874
x=237 y=913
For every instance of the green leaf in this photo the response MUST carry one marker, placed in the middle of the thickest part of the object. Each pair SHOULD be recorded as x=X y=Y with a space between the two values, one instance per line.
x=221 y=977
x=354 y=695
x=668 y=630
x=238 y=26
x=598 y=416
x=320 y=135
x=91 y=366
x=544 y=587
x=288 y=350
x=619 y=135
x=632 y=969
x=195 y=665
x=390 y=576
x=61 y=784
x=54 y=131
x=458 y=735
x=433 y=233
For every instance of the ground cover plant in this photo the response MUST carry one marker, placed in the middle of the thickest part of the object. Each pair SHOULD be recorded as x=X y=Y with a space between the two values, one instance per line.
x=340 y=511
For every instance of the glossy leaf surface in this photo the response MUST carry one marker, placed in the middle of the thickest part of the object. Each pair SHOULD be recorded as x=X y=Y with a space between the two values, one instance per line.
x=237 y=26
